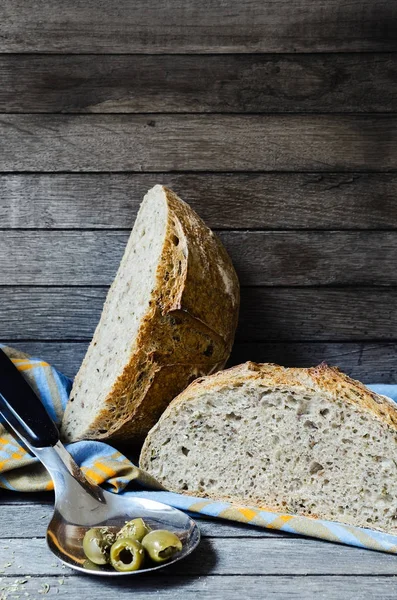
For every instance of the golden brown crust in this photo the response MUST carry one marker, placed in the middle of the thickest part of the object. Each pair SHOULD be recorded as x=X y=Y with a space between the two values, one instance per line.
x=207 y=271
x=187 y=332
x=329 y=380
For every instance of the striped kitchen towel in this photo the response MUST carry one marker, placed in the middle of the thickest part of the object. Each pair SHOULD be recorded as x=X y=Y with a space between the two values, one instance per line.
x=20 y=471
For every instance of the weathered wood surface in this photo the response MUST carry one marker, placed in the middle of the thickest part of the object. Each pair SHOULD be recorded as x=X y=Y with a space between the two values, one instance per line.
x=222 y=83
x=370 y=362
x=8 y=497
x=254 y=587
x=260 y=258
x=198 y=143
x=179 y=26
x=339 y=314
x=225 y=201
x=267 y=314
x=366 y=361
x=32 y=520
x=228 y=556
x=262 y=170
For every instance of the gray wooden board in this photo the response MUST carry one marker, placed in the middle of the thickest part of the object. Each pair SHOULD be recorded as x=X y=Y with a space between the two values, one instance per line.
x=198 y=142
x=31 y=520
x=220 y=83
x=224 y=201
x=369 y=362
x=190 y=26
x=226 y=556
x=8 y=497
x=232 y=587
x=270 y=168
x=267 y=314
x=260 y=258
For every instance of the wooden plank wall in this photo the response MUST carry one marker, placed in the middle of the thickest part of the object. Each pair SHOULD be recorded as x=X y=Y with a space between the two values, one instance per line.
x=277 y=121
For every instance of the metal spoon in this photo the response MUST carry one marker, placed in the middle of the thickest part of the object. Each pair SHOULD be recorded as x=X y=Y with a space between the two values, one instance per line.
x=79 y=504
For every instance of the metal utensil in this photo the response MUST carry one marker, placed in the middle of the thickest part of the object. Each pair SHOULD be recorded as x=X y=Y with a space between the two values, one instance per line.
x=79 y=504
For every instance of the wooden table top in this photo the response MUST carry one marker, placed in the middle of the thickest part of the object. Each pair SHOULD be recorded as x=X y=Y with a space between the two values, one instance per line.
x=277 y=121
x=232 y=562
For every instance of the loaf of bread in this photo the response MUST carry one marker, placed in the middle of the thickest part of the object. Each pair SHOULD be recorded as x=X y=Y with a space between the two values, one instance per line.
x=311 y=442
x=169 y=317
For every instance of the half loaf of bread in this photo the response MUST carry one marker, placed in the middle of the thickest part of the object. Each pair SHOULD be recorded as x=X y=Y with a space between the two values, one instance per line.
x=169 y=317
x=310 y=442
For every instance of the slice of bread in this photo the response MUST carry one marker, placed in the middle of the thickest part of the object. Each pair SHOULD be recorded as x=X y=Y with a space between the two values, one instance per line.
x=169 y=317
x=310 y=442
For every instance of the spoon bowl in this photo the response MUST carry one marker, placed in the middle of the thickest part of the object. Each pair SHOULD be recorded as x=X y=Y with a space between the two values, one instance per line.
x=79 y=506
x=66 y=540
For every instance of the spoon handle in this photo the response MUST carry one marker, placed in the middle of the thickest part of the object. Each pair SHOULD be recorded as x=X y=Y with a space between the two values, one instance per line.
x=22 y=409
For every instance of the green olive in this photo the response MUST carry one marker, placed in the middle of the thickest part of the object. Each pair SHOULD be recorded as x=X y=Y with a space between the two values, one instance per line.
x=127 y=554
x=135 y=529
x=90 y=566
x=161 y=545
x=97 y=543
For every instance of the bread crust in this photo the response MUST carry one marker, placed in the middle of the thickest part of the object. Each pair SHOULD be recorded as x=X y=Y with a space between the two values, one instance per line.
x=323 y=378
x=187 y=332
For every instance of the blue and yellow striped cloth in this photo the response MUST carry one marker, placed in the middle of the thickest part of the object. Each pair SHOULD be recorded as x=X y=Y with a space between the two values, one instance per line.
x=19 y=471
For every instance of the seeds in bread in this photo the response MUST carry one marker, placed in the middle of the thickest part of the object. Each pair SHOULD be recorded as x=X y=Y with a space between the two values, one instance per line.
x=306 y=441
x=169 y=317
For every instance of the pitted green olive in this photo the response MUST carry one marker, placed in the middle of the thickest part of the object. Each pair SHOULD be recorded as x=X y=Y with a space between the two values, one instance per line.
x=97 y=543
x=161 y=545
x=127 y=554
x=135 y=529
x=90 y=566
